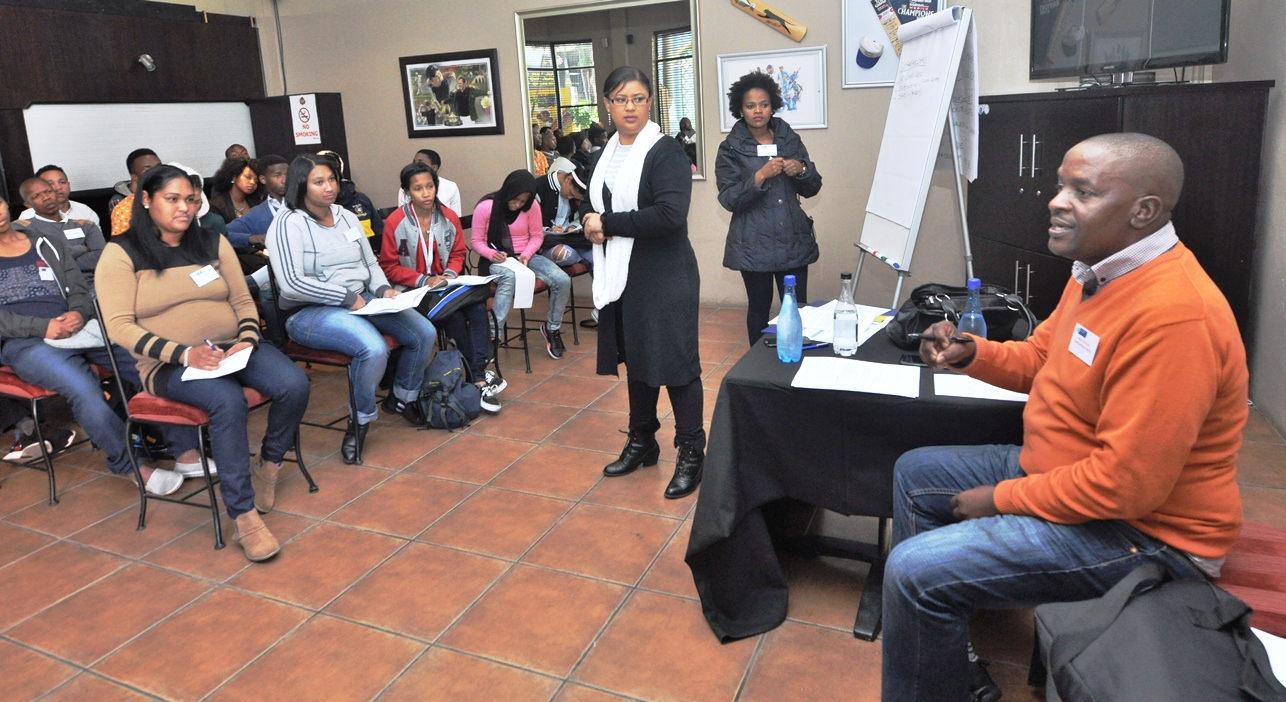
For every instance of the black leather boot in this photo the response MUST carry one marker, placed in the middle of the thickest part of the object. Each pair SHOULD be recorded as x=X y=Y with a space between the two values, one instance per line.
x=640 y=450
x=354 y=438
x=687 y=472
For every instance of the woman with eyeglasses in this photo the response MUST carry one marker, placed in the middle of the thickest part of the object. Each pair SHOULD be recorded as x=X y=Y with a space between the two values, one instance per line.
x=762 y=170
x=646 y=281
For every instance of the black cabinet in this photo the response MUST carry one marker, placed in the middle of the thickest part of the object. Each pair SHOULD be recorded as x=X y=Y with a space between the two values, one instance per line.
x=1216 y=128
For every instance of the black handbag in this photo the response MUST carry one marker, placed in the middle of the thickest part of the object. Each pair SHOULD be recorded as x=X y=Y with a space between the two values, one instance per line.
x=1147 y=640
x=1008 y=319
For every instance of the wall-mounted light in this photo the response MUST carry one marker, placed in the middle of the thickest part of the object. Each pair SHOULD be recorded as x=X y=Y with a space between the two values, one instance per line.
x=148 y=62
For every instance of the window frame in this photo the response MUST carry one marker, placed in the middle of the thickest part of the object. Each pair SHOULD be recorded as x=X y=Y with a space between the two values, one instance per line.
x=656 y=70
x=554 y=69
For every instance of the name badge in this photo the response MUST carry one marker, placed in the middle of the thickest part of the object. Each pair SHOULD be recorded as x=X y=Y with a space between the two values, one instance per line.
x=1084 y=344
x=46 y=273
x=76 y=233
x=204 y=276
x=767 y=149
x=355 y=234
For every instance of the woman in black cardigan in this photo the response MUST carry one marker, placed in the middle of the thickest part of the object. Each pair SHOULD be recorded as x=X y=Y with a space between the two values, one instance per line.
x=652 y=325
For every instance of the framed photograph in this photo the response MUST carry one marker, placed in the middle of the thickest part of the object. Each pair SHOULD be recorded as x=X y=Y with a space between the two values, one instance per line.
x=452 y=94
x=870 y=55
x=801 y=73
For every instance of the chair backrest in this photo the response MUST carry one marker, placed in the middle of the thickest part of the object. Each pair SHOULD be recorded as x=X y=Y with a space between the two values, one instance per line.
x=278 y=320
x=111 y=357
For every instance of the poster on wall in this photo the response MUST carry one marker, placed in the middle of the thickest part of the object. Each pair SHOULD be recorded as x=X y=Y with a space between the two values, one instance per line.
x=800 y=73
x=871 y=47
x=452 y=94
x=303 y=115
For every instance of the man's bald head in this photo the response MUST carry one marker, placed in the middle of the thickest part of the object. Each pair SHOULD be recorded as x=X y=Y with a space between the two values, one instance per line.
x=1148 y=164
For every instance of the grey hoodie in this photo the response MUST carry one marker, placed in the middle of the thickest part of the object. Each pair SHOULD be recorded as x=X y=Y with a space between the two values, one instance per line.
x=319 y=265
x=70 y=281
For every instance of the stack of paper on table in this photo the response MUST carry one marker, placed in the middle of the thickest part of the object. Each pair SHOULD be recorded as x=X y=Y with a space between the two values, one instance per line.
x=389 y=305
x=953 y=385
x=830 y=373
x=819 y=322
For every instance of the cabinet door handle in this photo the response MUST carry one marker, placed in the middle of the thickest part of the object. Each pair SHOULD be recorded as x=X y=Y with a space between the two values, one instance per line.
x=1030 y=272
x=1022 y=154
x=1017 y=267
x=1034 y=168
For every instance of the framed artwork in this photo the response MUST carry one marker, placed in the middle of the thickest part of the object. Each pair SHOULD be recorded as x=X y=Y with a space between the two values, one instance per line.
x=869 y=29
x=801 y=73
x=452 y=94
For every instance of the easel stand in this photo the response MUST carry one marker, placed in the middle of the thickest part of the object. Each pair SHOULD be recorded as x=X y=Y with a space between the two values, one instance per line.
x=964 y=223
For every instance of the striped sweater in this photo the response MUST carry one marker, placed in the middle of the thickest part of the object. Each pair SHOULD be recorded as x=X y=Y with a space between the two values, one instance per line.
x=157 y=315
x=319 y=265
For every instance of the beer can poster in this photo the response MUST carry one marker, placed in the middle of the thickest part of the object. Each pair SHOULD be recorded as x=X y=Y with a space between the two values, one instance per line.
x=871 y=46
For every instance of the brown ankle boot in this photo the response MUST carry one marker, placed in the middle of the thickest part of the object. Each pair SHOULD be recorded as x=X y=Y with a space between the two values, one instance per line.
x=254 y=537
x=263 y=478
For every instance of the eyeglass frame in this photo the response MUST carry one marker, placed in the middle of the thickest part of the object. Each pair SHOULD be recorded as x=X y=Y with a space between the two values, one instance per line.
x=622 y=101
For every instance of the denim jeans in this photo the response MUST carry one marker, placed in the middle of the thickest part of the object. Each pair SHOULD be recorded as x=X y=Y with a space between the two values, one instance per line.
x=335 y=329
x=274 y=375
x=67 y=372
x=941 y=569
x=469 y=329
x=565 y=255
x=545 y=269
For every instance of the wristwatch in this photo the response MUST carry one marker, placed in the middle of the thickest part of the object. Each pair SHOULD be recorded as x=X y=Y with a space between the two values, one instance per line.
x=803 y=170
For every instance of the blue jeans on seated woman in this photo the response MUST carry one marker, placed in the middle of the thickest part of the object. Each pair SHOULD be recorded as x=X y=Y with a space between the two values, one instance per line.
x=336 y=329
x=546 y=270
x=942 y=569
x=273 y=375
x=67 y=372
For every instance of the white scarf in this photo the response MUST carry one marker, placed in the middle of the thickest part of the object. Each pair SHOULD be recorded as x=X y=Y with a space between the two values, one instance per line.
x=612 y=258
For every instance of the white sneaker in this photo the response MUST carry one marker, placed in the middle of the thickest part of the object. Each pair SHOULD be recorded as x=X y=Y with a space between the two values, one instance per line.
x=495 y=382
x=488 y=402
x=193 y=470
x=164 y=482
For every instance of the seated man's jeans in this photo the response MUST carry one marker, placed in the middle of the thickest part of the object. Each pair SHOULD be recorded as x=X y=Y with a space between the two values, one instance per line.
x=273 y=375
x=941 y=570
x=67 y=372
x=546 y=270
x=335 y=329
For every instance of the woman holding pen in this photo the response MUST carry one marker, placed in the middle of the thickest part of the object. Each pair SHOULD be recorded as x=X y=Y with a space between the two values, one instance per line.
x=173 y=294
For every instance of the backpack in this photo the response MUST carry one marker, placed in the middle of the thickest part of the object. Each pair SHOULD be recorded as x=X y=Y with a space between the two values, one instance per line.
x=448 y=399
x=437 y=305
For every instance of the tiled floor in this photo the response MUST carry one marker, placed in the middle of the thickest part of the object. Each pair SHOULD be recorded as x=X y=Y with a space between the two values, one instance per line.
x=494 y=563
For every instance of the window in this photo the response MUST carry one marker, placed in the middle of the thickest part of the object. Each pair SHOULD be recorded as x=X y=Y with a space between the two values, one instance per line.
x=675 y=83
x=561 y=85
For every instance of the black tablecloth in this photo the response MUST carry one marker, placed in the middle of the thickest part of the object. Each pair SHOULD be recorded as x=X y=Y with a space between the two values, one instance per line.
x=828 y=448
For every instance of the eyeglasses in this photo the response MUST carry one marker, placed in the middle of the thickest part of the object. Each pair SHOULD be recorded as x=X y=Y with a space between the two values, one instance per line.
x=637 y=100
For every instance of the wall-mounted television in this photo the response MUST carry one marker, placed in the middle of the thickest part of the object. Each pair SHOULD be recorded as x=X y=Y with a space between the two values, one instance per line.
x=1088 y=37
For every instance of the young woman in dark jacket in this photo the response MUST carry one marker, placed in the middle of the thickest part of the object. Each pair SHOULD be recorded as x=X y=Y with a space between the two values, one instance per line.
x=762 y=171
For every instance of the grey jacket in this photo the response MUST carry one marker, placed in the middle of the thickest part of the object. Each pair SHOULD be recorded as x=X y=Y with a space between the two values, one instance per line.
x=70 y=280
x=85 y=250
x=318 y=265
x=769 y=231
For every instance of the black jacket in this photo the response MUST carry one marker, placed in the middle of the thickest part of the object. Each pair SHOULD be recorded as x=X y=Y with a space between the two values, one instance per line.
x=657 y=314
x=769 y=231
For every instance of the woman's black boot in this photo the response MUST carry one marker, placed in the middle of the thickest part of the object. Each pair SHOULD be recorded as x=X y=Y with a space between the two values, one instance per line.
x=640 y=450
x=687 y=472
x=354 y=437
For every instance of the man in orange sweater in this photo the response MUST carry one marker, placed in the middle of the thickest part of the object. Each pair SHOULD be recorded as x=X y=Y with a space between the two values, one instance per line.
x=1137 y=398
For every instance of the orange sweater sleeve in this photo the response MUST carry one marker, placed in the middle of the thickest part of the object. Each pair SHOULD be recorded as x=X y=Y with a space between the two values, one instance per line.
x=1013 y=365
x=1158 y=389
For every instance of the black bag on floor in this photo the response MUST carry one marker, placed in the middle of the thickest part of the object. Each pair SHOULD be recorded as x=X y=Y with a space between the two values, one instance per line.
x=1008 y=319
x=448 y=399
x=1145 y=641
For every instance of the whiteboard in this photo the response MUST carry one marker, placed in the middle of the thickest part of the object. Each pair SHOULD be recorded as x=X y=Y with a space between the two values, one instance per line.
x=90 y=142
x=936 y=77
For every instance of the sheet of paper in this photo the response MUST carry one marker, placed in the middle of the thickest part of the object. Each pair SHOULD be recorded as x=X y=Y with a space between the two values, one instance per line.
x=953 y=385
x=389 y=305
x=230 y=364
x=471 y=280
x=823 y=373
x=1276 y=648
x=524 y=283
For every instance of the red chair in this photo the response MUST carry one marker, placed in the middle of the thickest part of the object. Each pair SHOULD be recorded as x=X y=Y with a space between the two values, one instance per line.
x=14 y=387
x=1256 y=572
x=145 y=408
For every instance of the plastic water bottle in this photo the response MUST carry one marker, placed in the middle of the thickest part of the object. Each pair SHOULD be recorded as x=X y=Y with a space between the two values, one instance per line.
x=845 y=340
x=790 y=328
x=972 y=321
